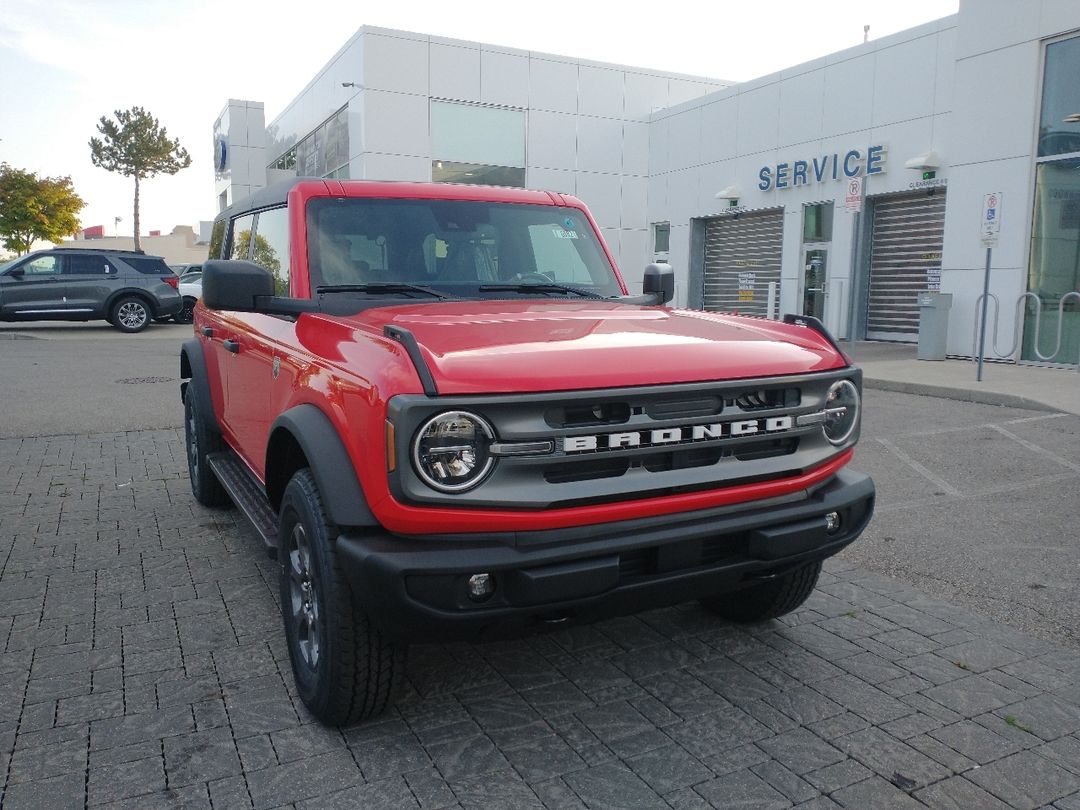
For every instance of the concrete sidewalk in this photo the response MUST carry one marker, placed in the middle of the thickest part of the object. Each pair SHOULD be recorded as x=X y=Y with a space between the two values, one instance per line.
x=893 y=367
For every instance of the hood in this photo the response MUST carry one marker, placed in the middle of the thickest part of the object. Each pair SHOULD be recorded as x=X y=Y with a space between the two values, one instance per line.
x=516 y=346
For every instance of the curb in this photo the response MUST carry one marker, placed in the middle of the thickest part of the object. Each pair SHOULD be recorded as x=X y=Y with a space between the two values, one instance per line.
x=961 y=394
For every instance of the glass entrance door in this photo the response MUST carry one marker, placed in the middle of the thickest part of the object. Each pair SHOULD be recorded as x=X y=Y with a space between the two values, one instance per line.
x=814 y=288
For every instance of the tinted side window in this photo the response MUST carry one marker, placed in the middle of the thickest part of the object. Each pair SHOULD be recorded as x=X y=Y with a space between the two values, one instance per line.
x=87 y=265
x=240 y=239
x=217 y=239
x=272 y=246
x=42 y=266
x=151 y=267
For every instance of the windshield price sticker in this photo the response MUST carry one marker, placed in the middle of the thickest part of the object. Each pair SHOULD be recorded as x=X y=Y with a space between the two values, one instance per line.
x=562 y=233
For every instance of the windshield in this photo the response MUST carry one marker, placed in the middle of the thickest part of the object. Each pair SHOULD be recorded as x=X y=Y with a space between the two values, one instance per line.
x=5 y=265
x=460 y=248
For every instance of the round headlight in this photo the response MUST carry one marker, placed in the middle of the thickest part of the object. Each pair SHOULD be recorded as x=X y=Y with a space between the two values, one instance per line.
x=841 y=411
x=450 y=451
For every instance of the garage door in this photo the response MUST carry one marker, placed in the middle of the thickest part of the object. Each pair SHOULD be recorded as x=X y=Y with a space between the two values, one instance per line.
x=742 y=255
x=905 y=260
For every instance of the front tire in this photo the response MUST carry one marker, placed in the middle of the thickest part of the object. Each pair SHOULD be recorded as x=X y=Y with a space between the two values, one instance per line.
x=199 y=441
x=345 y=669
x=769 y=599
x=130 y=314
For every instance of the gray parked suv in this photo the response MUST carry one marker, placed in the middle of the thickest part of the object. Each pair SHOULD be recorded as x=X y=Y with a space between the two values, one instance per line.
x=125 y=287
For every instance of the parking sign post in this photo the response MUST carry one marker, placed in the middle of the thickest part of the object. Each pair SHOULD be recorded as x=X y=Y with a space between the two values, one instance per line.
x=989 y=228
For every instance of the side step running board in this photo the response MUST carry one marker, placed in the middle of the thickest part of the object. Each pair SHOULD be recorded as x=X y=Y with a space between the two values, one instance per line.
x=247 y=493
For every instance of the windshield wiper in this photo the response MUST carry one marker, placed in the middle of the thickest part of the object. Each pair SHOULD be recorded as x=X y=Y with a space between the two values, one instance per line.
x=540 y=288
x=381 y=287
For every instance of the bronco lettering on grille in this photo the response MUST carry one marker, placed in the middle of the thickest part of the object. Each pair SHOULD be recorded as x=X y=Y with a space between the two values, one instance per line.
x=677 y=435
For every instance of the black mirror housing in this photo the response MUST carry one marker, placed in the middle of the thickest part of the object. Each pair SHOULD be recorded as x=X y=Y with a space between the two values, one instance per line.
x=659 y=281
x=235 y=285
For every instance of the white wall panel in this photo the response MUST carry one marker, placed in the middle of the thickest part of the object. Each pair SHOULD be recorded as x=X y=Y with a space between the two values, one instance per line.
x=552 y=140
x=601 y=193
x=983 y=132
x=599 y=144
x=849 y=95
x=635 y=148
x=600 y=92
x=801 y=104
x=644 y=94
x=685 y=133
x=392 y=63
x=757 y=127
x=397 y=167
x=553 y=85
x=635 y=191
x=633 y=255
x=504 y=78
x=564 y=182
x=719 y=123
x=396 y=123
x=904 y=77
x=455 y=72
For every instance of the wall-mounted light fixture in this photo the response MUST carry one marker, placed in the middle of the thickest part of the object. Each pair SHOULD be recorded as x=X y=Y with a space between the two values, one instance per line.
x=351 y=84
x=928 y=163
x=731 y=194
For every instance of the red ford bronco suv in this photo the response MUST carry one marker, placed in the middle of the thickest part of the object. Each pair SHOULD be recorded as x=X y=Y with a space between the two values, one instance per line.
x=446 y=419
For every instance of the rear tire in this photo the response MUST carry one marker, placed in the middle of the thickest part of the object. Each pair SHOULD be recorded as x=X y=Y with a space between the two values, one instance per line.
x=345 y=669
x=199 y=441
x=769 y=599
x=187 y=314
x=130 y=314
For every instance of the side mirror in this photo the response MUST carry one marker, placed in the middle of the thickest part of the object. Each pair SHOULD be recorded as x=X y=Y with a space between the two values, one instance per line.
x=18 y=272
x=234 y=285
x=243 y=286
x=659 y=281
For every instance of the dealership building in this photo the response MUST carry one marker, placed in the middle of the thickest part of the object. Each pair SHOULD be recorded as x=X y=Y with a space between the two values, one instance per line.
x=848 y=187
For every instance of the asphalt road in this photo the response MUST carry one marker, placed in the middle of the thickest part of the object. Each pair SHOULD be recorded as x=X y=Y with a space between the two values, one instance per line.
x=88 y=378
x=976 y=502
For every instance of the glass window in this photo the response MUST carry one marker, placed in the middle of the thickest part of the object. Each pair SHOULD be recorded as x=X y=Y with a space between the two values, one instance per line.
x=42 y=266
x=454 y=245
x=1059 y=124
x=217 y=239
x=86 y=265
x=1054 y=265
x=817 y=222
x=306 y=157
x=151 y=267
x=240 y=243
x=469 y=133
x=272 y=246
x=443 y=171
x=661 y=237
x=333 y=143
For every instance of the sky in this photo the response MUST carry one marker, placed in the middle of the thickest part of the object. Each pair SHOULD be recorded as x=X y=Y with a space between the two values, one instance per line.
x=66 y=63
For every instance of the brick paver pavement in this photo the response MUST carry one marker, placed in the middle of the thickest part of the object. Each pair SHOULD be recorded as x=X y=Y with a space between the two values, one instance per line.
x=143 y=667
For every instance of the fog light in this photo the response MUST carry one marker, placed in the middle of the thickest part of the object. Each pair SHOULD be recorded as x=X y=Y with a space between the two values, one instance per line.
x=481 y=586
x=832 y=522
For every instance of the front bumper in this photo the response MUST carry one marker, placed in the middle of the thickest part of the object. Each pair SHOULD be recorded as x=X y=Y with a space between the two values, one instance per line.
x=415 y=587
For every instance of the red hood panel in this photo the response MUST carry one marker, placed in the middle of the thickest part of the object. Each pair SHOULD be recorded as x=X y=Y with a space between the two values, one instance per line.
x=515 y=346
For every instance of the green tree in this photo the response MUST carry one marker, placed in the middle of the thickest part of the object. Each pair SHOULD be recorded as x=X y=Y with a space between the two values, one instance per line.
x=136 y=145
x=33 y=207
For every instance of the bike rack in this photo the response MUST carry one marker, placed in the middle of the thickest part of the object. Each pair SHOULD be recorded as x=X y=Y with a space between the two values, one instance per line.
x=1016 y=330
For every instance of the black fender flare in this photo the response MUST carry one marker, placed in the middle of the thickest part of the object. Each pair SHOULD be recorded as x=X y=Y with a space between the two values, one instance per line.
x=193 y=373
x=328 y=460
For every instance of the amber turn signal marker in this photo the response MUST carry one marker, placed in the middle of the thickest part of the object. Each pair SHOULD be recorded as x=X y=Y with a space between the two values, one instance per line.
x=391 y=447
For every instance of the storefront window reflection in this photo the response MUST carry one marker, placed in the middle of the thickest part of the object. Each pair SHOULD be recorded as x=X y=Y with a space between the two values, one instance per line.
x=1054 y=265
x=1059 y=123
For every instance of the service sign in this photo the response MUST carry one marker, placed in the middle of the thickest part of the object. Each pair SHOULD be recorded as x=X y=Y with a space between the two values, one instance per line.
x=990 y=223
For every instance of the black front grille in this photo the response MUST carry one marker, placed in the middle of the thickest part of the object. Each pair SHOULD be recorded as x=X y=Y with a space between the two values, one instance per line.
x=617 y=445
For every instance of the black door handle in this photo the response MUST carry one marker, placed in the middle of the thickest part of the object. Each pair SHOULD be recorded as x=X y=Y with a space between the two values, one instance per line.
x=231 y=346
x=207 y=331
